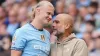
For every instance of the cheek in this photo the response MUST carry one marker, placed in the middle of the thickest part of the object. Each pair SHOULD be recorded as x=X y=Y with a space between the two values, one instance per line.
x=44 y=16
x=60 y=28
x=43 y=13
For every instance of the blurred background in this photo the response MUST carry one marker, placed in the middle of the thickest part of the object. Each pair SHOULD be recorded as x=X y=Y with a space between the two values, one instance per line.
x=86 y=13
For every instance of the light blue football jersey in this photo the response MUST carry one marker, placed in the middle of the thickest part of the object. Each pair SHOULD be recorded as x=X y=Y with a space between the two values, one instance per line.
x=31 y=41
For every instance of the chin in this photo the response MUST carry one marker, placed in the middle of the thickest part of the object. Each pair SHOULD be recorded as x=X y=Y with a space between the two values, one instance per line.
x=46 y=22
x=58 y=34
x=46 y=25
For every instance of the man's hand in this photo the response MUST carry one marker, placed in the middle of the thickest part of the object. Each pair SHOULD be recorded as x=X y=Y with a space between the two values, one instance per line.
x=15 y=53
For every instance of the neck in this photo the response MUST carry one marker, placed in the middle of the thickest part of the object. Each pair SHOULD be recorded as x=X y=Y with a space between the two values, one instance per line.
x=36 y=24
x=63 y=36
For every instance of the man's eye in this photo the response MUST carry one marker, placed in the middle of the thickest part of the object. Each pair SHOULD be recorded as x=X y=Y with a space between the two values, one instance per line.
x=55 y=21
x=48 y=13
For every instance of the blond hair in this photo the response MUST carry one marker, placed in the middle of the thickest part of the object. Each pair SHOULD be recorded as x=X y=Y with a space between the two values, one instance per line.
x=42 y=3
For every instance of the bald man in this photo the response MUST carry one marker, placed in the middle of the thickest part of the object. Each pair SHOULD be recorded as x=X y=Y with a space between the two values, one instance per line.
x=32 y=39
x=67 y=44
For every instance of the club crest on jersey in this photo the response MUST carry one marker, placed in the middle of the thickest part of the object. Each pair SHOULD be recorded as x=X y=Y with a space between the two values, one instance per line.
x=42 y=38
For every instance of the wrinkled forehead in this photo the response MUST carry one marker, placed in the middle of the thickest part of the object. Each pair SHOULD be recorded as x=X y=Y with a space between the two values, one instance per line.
x=59 y=19
x=63 y=18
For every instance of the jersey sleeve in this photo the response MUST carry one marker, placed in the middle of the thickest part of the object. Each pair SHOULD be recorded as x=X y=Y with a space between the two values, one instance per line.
x=18 y=41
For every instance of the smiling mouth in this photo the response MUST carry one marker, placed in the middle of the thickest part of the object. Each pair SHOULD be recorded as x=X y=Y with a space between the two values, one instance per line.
x=48 y=19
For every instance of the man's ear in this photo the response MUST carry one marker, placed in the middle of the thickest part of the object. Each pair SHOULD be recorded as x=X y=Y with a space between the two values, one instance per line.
x=67 y=26
x=38 y=11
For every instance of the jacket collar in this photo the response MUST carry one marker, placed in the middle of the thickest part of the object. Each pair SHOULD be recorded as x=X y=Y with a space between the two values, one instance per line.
x=70 y=37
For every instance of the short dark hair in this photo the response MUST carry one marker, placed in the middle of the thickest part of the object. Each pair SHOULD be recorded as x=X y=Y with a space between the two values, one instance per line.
x=94 y=4
x=91 y=22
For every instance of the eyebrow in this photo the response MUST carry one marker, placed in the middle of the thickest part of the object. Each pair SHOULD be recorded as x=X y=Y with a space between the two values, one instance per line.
x=51 y=13
x=56 y=21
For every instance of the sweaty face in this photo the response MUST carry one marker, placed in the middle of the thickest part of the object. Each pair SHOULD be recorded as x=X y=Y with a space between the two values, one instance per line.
x=46 y=14
x=58 y=26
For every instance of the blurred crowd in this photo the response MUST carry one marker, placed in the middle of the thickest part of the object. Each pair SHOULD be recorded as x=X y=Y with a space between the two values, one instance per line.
x=86 y=13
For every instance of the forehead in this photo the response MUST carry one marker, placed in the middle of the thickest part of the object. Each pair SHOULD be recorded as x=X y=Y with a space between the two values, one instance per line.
x=48 y=8
x=59 y=18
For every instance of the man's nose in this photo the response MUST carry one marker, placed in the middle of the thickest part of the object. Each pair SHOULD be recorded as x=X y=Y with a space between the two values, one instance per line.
x=54 y=24
x=50 y=16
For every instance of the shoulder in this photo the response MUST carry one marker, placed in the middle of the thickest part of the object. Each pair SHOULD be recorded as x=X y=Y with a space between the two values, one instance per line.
x=19 y=31
x=80 y=41
x=22 y=29
x=80 y=44
x=46 y=31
